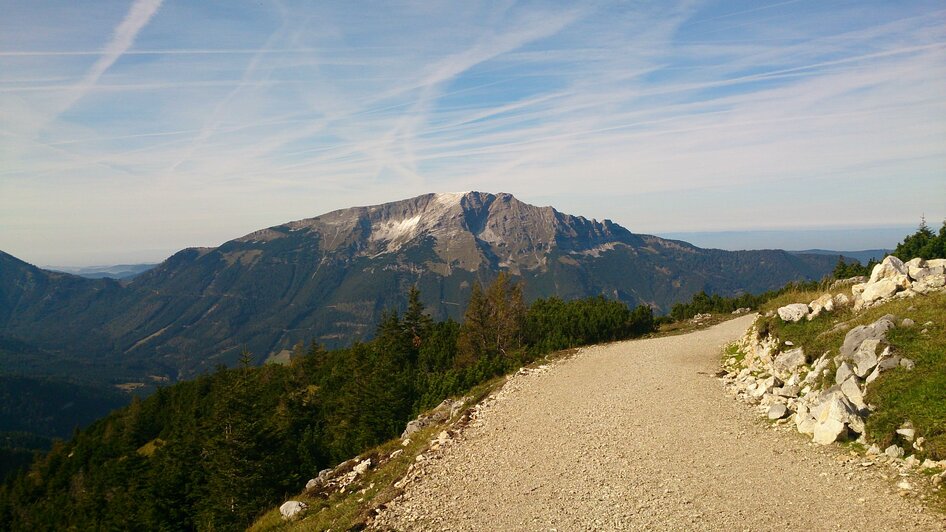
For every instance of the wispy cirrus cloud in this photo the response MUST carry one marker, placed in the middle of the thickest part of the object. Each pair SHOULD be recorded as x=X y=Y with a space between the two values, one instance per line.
x=123 y=37
x=661 y=116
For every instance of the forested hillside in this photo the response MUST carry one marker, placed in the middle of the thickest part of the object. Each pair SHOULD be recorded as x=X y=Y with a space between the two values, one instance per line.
x=213 y=452
x=330 y=277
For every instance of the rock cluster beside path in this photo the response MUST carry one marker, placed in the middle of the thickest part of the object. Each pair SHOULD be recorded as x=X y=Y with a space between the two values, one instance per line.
x=894 y=278
x=825 y=398
x=890 y=279
x=823 y=395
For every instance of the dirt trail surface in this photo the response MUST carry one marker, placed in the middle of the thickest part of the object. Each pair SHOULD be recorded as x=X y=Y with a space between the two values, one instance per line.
x=639 y=435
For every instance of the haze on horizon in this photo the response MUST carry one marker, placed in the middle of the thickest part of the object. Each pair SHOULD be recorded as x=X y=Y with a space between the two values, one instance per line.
x=129 y=130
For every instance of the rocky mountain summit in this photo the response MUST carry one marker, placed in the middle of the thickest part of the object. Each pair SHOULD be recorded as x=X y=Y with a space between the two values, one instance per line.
x=330 y=277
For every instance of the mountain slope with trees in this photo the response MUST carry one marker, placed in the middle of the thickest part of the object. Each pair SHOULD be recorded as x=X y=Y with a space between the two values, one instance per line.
x=329 y=279
x=214 y=452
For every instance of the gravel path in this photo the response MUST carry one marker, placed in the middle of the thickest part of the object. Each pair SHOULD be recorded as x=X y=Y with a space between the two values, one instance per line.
x=640 y=436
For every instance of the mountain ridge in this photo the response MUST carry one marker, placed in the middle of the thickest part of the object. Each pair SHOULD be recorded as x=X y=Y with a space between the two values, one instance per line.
x=329 y=277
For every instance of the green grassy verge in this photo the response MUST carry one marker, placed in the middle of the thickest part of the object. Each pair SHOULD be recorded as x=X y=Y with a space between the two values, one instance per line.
x=898 y=395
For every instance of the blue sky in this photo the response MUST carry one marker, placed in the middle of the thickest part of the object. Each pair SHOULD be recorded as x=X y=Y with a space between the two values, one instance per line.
x=129 y=130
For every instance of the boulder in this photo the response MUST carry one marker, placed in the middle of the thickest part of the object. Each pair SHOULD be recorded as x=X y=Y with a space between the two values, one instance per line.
x=292 y=510
x=907 y=323
x=844 y=371
x=882 y=289
x=907 y=364
x=841 y=283
x=894 y=451
x=362 y=467
x=889 y=267
x=907 y=431
x=932 y=267
x=789 y=361
x=934 y=282
x=824 y=303
x=886 y=362
x=857 y=335
x=804 y=421
x=827 y=431
x=778 y=411
x=444 y=411
x=841 y=300
x=916 y=268
x=831 y=414
x=865 y=358
x=853 y=392
x=793 y=313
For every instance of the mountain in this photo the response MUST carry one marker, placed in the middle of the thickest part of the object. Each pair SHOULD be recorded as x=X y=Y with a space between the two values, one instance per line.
x=863 y=256
x=329 y=278
x=119 y=271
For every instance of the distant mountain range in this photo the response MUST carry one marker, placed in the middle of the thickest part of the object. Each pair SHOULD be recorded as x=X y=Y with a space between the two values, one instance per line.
x=863 y=256
x=329 y=278
x=120 y=271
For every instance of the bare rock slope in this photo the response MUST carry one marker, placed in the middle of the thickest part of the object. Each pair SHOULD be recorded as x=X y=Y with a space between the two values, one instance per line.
x=640 y=436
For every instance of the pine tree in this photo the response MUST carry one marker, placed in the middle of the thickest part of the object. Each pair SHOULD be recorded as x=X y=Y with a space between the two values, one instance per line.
x=416 y=322
x=472 y=340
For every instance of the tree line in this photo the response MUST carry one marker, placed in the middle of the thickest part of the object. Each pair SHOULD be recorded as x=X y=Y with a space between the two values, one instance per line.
x=924 y=243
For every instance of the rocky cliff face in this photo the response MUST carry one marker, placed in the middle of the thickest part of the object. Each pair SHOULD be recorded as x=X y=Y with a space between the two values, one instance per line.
x=328 y=278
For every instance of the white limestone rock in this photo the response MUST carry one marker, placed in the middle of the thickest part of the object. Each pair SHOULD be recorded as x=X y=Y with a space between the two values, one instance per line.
x=362 y=467
x=916 y=268
x=907 y=431
x=841 y=300
x=865 y=358
x=292 y=510
x=894 y=451
x=793 y=313
x=882 y=289
x=857 y=335
x=787 y=362
x=827 y=431
x=844 y=371
x=853 y=392
x=825 y=303
x=935 y=282
x=831 y=414
x=890 y=267
x=778 y=411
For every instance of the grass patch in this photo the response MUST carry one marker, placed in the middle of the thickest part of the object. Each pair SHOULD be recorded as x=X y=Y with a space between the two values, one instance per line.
x=824 y=333
x=343 y=511
x=918 y=395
